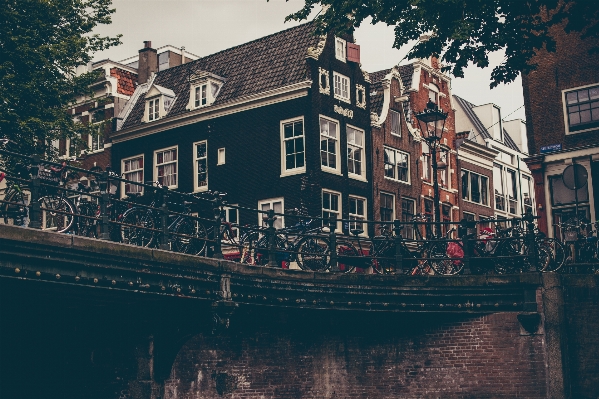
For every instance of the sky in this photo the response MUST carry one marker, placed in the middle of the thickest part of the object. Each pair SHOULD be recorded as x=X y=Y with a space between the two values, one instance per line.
x=205 y=27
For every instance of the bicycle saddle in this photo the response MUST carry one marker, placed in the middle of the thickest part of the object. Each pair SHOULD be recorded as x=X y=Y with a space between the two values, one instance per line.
x=356 y=232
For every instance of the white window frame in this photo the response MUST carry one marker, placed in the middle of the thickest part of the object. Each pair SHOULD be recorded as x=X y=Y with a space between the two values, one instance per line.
x=176 y=162
x=200 y=93
x=469 y=196
x=340 y=49
x=124 y=174
x=395 y=115
x=228 y=210
x=270 y=202
x=393 y=217
x=362 y=174
x=338 y=83
x=153 y=114
x=100 y=138
x=339 y=212
x=433 y=88
x=221 y=158
x=395 y=170
x=357 y=216
x=195 y=102
x=196 y=187
x=565 y=108
x=296 y=170
x=337 y=169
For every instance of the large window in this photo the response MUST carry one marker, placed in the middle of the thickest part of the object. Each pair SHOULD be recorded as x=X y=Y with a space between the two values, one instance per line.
x=498 y=186
x=293 y=149
x=582 y=108
x=355 y=152
x=397 y=166
x=395 y=123
x=408 y=207
x=329 y=144
x=276 y=204
x=357 y=212
x=527 y=194
x=200 y=160
x=331 y=207
x=475 y=187
x=387 y=207
x=512 y=190
x=562 y=195
x=341 y=87
x=133 y=169
x=165 y=167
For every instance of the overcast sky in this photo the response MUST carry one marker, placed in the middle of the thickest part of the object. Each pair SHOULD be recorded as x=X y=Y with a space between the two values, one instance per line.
x=207 y=26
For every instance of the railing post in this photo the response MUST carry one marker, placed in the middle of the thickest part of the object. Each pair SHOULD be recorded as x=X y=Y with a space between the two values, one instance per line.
x=333 y=243
x=398 y=254
x=34 y=203
x=164 y=237
x=104 y=199
x=463 y=232
x=270 y=235
x=218 y=252
x=533 y=255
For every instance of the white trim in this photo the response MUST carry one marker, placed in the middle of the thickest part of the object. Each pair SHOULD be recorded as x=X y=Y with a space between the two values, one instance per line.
x=364 y=225
x=409 y=182
x=360 y=89
x=253 y=101
x=143 y=161
x=339 y=227
x=176 y=162
x=362 y=175
x=221 y=156
x=337 y=169
x=343 y=44
x=393 y=216
x=270 y=201
x=197 y=188
x=565 y=109
x=340 y=95
x=284 y=170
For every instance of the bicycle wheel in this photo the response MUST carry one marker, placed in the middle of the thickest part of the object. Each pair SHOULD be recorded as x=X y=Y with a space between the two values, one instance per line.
x=261 y=253
x=557 y=254
x=511 y=255
x=136 y=227
x=190 y=237
x=17 y=210
x=247 y=243
x=57 y=213
x=86 y=222
x=446 y=258
x=313 y=254
x=347 y=257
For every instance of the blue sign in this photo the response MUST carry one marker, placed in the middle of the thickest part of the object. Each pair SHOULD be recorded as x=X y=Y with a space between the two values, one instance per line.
x=551 y=148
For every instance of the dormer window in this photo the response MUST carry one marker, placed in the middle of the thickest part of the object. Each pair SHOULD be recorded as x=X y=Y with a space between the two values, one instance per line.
x=158 y=102
x=205 y=88
x=340 y=45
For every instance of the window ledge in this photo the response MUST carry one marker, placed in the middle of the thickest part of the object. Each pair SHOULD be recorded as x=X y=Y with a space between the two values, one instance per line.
x=345 y=100
x=292 y=172
x=330 y=170
x=201 y=189
x=357 y=177
x=475 y=203
x=395 y=134
x=399 y=181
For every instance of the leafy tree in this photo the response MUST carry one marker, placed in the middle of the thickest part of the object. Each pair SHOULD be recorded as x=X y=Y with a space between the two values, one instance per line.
x=41 y=44
x=463 y=31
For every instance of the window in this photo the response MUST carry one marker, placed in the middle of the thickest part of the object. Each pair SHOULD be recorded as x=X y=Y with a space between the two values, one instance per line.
x=498 y=185
x=511 y=190
x=340 y=45
x=165 y=167
x=133 y=170
x=408 y=207
x=204 y=88
x=201 y=95
x=329 y=144
x=387 y=207
x=95 y=142
x=231 y=215
x=357 y=211
x=355 y=152
x=445 y=218
x=582 y=107
x=341 y=87
x=292 y=147
x=428 y=212
x=361 y=96
x=527 y=194
x=276 y=204
x=470 y=217
x=397 y=165
x=200 y=160
x=562 y=195
x=331 y=207
x=221 y=156
x=444 y=160
x=395 y=123
x=475 y=187
x=154 y=109
x=433 y=93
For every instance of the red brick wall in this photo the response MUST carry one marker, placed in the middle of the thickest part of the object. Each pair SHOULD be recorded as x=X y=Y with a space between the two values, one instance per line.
x=390 y=356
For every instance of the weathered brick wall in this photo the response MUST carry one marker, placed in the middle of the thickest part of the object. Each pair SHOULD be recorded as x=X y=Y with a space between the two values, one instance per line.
x=383 y=356
x=582 y=326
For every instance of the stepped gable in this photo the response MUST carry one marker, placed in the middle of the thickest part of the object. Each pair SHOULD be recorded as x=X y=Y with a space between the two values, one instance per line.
x=268 y=63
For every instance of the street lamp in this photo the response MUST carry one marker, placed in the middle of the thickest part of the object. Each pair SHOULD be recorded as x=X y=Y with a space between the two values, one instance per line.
x=432 y=122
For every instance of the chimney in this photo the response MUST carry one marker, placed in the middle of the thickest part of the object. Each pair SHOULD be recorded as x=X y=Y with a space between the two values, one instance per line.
x=148 y=62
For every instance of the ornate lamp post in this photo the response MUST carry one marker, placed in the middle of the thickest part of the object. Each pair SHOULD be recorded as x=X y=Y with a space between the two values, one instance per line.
x=432 y=122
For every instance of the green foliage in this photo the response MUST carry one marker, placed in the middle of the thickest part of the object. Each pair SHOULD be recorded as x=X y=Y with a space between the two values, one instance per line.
x=41 y=44
x=464 y=31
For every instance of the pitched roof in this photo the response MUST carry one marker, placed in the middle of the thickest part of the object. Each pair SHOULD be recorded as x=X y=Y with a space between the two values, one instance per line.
x=255 y=67
x=509 y=142
x=467 y=107
x=407 y=73
x=376 y=90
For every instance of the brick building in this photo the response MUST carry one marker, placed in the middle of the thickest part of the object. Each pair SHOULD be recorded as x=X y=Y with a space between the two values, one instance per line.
x=402 y=168
x=278 y=123
x=561 y=98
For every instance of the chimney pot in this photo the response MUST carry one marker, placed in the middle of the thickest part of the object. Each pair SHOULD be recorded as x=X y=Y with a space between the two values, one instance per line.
x=147 y=44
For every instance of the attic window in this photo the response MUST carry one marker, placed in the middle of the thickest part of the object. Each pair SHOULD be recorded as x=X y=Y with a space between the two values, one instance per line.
x=205 y=87
x=159 y=101
x=340 y=45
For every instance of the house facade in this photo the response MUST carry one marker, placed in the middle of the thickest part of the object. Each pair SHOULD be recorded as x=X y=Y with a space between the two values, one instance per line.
x=278 y=123
x=561 y=99
x=508 y=191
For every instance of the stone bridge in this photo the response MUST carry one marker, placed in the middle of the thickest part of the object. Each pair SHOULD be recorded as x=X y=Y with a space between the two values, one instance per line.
x=95 y=319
